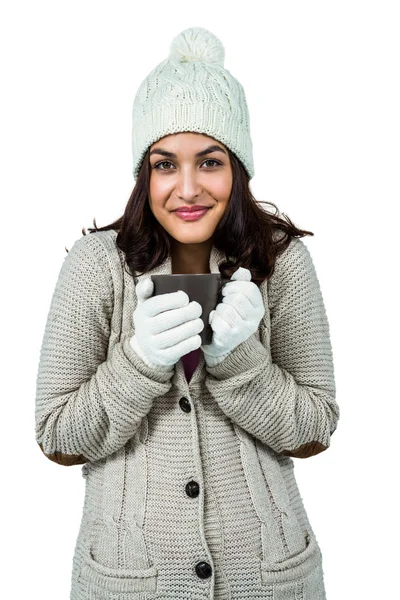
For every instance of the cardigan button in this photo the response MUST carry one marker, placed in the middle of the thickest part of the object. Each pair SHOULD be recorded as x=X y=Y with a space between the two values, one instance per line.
x=185 y=404
x=192 y=489
x=203 y=570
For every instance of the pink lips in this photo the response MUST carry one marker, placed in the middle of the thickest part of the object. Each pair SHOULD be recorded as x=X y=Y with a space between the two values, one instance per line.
x=191 y=216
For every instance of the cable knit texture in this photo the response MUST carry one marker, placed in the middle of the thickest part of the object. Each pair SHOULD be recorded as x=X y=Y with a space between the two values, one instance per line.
x=190 y=491
x=191 y=90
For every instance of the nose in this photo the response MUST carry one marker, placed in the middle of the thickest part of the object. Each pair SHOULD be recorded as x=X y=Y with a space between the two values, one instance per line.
x=188 y=185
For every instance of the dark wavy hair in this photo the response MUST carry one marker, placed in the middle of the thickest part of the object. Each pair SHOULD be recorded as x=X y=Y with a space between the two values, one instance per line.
x=245 y=232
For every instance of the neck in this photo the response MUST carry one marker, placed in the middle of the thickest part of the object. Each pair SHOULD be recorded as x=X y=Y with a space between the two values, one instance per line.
x=190 y=258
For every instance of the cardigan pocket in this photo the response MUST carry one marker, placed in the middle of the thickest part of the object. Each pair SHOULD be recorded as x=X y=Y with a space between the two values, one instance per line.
x=295 y=568
x=101 y=568
x=287 y=547
x=299 y=577
x=115 y=553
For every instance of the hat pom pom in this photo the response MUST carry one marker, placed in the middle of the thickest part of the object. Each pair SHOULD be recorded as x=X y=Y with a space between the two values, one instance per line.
x=197 y=44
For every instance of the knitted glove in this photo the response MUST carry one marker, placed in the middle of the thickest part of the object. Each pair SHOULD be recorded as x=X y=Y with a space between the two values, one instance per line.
x=236 y=318
x=166 y=326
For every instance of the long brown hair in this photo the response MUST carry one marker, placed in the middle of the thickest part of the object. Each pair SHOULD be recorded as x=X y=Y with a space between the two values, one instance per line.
x=244 y=233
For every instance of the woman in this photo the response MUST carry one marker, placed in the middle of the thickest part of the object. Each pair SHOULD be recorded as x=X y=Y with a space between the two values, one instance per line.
x=190 y=489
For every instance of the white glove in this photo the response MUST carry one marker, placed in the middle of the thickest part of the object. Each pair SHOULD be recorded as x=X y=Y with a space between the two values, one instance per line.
x=166 y=326
x=236 y=318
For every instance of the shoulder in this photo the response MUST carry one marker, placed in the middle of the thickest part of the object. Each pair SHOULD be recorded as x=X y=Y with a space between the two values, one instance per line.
x=92 y=259
x=99 y=247
x=98 y=243
x=293 y=267
x=295 y=256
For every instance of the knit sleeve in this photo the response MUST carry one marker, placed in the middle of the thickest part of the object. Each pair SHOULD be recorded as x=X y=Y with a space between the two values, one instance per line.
x=281 y=388
x=89 y=401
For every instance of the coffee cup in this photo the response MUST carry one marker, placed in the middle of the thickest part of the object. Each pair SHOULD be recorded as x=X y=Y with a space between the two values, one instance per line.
x=205 y=288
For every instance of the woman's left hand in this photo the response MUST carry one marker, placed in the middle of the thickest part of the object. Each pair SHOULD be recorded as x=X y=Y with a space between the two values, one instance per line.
x=236 y=318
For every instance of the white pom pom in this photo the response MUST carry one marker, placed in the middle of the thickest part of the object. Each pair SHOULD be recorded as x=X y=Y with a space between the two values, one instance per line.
x=197 y=43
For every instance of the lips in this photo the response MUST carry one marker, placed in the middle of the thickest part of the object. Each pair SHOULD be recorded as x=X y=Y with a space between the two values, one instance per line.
x=192 y=215
x=192 y=209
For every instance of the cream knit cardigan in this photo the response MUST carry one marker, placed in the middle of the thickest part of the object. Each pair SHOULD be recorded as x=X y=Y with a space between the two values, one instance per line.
x=190 y=489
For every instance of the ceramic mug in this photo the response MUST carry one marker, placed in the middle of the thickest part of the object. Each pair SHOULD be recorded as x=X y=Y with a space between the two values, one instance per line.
x=205 y=288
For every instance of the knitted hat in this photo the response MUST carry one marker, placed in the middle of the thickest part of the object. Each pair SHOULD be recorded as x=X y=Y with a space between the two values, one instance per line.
x=192 y=91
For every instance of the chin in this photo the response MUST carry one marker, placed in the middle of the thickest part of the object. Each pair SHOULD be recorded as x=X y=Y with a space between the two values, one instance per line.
x=191 y=238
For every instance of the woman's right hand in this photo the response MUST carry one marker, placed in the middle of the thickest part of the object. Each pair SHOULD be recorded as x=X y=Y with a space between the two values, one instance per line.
x=167 y=326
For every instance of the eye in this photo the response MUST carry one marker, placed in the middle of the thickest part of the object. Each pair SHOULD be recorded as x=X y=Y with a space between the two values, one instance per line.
x=163 y=162
x=212 y=160
x=167 y=162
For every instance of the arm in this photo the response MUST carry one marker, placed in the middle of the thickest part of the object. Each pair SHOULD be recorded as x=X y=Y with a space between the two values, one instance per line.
x=282 y=389
x=89 y=401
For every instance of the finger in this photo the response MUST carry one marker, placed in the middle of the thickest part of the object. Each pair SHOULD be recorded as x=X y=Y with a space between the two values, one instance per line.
x=175 y=317
x=241 y=274
x=162 y=302
x=247 y=288
x=229 y=315
x=176 y=335
x=144 y=289
x=241 y=304
x=220 y=327
x=186 y=346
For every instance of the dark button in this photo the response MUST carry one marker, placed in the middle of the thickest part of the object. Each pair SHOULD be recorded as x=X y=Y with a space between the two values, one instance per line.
x=203 y=570
x=185 y=404
x=192 y=489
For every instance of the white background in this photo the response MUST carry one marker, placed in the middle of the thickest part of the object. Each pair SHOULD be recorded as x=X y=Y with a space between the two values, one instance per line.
x=322 y=86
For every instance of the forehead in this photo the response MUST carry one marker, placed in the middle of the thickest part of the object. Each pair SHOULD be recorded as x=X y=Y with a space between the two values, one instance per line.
x=185 y=140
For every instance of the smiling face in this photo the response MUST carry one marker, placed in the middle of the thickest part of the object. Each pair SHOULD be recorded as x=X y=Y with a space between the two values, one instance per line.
x=188 y=169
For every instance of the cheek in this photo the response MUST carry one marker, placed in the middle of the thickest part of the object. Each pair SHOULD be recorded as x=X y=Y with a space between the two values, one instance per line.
x=221 y=188
x=158 y=188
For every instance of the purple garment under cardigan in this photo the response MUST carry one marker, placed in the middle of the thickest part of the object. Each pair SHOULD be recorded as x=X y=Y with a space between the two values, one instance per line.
x=190 y=362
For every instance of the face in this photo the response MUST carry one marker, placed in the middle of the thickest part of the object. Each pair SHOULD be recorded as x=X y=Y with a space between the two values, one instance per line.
x=188 y=169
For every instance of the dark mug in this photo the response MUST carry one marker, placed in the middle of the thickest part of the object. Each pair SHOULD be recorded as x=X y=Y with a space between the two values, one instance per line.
x=205 y=288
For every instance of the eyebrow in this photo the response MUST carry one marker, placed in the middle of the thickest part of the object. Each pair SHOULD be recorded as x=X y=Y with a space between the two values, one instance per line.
x=207 y=150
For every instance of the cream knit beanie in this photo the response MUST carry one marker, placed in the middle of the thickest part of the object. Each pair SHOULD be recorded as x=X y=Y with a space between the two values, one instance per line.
x=192 y=91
